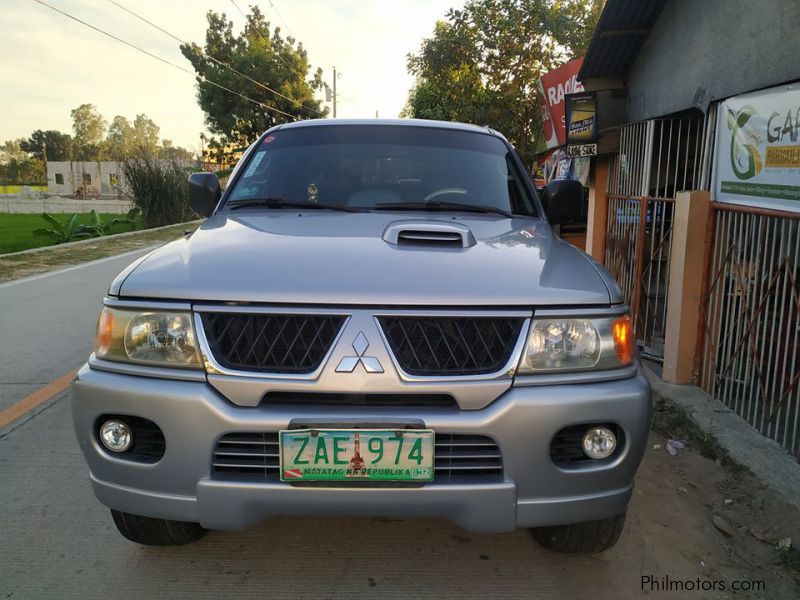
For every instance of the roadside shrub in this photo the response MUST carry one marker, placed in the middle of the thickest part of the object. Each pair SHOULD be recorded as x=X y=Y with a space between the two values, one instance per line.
x=159 y=189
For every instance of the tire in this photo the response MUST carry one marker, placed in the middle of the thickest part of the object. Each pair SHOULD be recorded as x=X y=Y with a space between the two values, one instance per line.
x=156 y=532
x=589 y=537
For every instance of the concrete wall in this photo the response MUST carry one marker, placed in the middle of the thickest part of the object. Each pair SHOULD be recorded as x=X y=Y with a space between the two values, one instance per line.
x=55 y=204
x=704 y=50
x=64 y=178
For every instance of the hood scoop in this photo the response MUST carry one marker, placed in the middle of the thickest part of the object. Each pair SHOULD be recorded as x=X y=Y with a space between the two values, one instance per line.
x=429 y=233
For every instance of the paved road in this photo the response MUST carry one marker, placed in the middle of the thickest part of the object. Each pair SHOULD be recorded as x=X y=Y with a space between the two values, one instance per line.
x=47 y=324
x=57 y=541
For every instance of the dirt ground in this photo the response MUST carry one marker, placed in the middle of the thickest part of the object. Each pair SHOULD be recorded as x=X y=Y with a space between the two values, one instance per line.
x=677 y=501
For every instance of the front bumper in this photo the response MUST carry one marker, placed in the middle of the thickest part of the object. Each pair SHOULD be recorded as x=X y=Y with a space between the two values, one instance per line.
x=533 y=492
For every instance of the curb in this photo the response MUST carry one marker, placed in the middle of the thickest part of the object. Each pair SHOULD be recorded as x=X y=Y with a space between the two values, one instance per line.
x=766 y=459
x=94 y=240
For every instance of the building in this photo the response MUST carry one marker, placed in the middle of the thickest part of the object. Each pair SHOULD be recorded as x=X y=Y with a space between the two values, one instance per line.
x=82 y=179
x=694 y=195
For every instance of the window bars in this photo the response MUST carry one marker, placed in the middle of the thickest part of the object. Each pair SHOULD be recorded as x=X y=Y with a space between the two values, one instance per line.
x=657 y=158
x=751 y=320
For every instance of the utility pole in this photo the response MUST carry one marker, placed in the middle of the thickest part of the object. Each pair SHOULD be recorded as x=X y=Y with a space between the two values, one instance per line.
x=334 y=92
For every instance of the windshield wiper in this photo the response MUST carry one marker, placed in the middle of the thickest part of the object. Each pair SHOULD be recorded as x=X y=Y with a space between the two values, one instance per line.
x=277 y=202
x=436 y=205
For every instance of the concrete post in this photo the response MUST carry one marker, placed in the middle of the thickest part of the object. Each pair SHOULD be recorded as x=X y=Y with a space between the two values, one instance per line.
x=687 y=257
x=598 y=210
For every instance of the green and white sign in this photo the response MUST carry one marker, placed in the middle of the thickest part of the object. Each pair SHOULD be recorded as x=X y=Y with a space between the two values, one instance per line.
x=357 y=455
x=758 y=149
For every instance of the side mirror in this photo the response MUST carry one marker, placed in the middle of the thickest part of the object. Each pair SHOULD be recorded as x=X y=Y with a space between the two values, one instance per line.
x=204 y=193
x=563 y=201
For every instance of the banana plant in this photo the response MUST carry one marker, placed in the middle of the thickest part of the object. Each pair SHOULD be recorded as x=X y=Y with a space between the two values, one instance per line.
x=61 y=232
x=96 y=227
x=72 y=229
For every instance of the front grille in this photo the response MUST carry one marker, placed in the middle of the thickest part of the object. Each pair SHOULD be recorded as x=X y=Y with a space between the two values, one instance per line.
x=253 y=454
x=270 y=343
x=451 y=345
x=466 y=456
x=255 y=457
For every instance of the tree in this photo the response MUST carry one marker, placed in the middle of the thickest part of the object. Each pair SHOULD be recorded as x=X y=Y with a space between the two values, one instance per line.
x=263 y=55
x=119 y=140
x=125 y=140
x=12 y=150
x=168 y=151
x=89 y=128
x=145 y=135
x=17 y=166
x=482 y=63
x=56 y=144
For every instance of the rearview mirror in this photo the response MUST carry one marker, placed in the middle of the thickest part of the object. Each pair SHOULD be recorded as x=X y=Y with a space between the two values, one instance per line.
x=204 y=193
x=563 y=201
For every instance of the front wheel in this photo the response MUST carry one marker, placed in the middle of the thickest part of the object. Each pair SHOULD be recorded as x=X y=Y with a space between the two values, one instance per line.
x=589 y=537
x=156 y=532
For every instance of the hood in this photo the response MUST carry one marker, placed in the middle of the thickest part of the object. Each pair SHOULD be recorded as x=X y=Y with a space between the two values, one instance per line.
x=321 y=257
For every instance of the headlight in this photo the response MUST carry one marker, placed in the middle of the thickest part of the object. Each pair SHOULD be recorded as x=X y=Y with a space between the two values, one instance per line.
x=577 y=345
x=147 y=337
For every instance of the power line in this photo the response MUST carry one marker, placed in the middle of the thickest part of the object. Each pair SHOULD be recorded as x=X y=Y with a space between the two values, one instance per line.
x=163 y=60
x=286 y=25
x=298 y=103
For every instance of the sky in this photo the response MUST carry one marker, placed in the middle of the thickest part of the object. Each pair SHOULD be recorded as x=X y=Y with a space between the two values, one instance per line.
x=51 y=64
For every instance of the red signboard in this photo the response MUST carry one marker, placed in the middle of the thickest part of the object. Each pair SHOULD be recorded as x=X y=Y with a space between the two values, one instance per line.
x=553 y=86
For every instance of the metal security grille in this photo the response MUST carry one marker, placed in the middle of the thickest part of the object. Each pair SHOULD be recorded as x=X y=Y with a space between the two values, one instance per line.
x=751 y=326
x=657 y=158
x=451 y=345
x=638 y=244
x=255 y=456
x=273 y=343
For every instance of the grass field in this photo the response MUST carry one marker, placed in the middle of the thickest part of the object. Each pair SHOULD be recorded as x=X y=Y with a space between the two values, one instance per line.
x=16 y=230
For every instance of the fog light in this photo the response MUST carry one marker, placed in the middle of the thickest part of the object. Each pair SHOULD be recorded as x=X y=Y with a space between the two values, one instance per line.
x=599 y=442
x=116 y=435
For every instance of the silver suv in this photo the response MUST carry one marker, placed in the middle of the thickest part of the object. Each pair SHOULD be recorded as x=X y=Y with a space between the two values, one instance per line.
x=375 y=319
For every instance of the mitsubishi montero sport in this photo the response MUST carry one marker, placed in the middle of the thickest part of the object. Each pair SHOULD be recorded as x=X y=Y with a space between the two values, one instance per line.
x=375 y=319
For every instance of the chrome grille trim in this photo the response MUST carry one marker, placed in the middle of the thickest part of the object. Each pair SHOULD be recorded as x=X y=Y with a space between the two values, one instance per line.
x=507 y=371
x=213 y=366
x=451 y=345
x=271 y=342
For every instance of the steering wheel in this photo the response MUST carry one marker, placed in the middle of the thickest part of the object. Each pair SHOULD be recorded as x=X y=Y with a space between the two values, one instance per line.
x=445 y=191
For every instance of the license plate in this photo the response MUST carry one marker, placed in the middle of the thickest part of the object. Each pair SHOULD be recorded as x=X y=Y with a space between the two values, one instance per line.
x=356 y=455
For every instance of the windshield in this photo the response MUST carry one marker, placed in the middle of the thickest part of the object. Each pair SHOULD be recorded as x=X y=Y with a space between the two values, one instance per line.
x=383 y=167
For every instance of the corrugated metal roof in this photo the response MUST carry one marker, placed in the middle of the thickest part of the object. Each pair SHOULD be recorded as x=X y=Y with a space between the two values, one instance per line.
x=620 y=34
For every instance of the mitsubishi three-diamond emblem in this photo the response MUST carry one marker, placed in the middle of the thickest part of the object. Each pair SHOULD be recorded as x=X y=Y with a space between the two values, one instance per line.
x=370 y=363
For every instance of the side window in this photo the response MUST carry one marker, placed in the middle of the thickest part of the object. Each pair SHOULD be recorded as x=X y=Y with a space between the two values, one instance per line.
x=59 y=179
